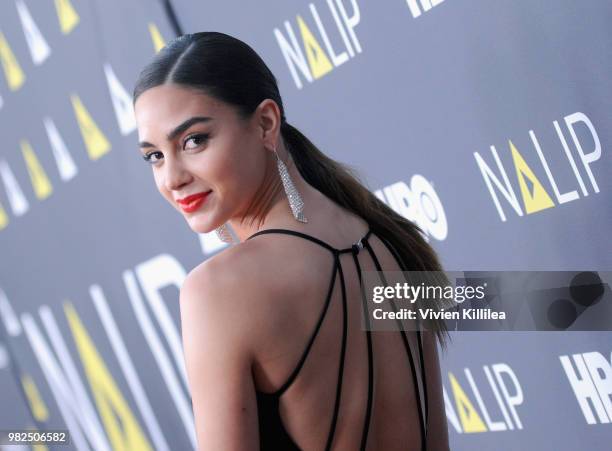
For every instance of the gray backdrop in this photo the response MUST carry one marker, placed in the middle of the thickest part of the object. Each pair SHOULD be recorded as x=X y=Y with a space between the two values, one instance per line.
x=486 y=122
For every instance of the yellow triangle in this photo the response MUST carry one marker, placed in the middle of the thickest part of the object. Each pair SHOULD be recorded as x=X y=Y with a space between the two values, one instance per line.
x=68 y=17
x=39 y=447
x=95 y=141
x=37 y=404
x=12 y=71
x=158 y=40
x=535 y=197
x=38 y=177
x=3 y=218
x=470 y=420
x=317 y=59
x=121 y=424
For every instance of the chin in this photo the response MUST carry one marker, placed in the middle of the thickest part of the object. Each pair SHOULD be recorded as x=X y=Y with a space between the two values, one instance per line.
x=200 y=226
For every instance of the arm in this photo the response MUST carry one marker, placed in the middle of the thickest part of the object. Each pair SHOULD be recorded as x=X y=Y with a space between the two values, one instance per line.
x=218 y=361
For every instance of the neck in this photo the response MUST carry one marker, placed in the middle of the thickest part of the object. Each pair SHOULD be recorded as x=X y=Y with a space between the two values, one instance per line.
x=270 y=207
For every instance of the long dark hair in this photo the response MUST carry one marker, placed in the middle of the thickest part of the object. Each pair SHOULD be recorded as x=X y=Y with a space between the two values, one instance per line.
x=229 y=70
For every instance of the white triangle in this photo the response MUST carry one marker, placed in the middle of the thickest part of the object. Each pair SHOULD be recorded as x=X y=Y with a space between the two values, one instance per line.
x=65 y=164
x=122 y=102
x=19 y=203
x=39 y=49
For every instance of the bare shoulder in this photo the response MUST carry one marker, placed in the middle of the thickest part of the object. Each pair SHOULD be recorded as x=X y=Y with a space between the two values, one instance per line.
x=234 y=292
x=235 y=273
x=220 y=303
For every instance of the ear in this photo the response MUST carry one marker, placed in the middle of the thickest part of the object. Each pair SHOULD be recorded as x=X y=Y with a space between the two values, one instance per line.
x=269 y=122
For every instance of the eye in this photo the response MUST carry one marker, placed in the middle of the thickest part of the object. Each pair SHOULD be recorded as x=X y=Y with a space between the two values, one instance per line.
x=148 y=157
x=197 y=140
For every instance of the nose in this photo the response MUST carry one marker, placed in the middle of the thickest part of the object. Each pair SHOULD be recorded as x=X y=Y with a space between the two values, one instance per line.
x=176 y=175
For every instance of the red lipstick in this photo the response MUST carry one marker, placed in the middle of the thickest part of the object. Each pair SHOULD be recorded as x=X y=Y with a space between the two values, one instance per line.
x=191 y=203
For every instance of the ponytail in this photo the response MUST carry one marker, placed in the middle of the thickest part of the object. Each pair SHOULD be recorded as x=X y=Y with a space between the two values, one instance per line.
x=341 y=184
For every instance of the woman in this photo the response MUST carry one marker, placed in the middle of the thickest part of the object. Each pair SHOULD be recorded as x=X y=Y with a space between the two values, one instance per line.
x=275 y=354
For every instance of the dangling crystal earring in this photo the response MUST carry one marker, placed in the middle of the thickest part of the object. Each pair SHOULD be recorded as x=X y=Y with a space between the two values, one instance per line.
x=224 y=234
x=295 y=201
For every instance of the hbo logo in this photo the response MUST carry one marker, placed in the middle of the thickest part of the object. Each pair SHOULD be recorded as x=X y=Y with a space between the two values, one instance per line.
x=418 y=203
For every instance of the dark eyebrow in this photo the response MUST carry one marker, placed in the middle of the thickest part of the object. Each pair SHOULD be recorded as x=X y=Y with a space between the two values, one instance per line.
x=179 y=129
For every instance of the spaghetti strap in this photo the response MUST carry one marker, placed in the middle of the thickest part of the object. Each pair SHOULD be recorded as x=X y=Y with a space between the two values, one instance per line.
x=404 y=267
x=366 y=421
x=422 y=404
x=336 y=268
x=334 y=420
x=329 y=247
x=298 y=367
x=268 y=403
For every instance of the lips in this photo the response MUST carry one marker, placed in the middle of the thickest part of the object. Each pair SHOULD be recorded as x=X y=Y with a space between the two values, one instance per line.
x=191 y=203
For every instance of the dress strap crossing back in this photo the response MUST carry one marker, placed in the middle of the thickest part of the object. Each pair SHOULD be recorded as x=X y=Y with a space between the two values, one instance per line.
x=355 y=247
x=337 y=272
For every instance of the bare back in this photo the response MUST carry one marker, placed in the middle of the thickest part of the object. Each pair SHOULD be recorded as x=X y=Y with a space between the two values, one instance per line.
x=337 y=386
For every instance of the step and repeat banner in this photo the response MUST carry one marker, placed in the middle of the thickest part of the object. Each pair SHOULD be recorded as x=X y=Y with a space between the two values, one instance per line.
x=488 y=123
